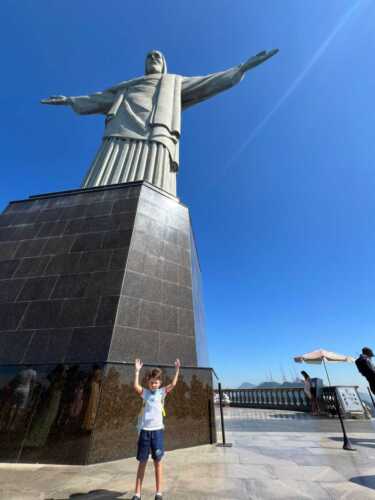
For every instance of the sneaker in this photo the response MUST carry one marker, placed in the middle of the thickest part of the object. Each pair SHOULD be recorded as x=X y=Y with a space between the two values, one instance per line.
x=158 y=497
x=136 y=497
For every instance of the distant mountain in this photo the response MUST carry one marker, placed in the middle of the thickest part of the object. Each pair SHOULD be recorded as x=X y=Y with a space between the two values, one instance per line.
x=269 y=384
x=246 y=385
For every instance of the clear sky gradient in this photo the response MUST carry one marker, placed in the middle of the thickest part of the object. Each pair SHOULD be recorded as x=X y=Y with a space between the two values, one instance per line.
x=278 y=172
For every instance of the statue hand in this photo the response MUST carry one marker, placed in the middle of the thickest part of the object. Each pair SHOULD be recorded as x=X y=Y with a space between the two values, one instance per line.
x=56 y=100
x=258 y=59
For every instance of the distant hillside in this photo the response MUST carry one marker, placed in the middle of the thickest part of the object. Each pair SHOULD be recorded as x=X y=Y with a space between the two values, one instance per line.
x=246 y=385
x=249 y=385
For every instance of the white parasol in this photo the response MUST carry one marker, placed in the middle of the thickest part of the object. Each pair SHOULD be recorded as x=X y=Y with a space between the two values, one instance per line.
x=322 y=356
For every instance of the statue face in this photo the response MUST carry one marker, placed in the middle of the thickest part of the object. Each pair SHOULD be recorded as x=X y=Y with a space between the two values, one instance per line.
x=154 y=62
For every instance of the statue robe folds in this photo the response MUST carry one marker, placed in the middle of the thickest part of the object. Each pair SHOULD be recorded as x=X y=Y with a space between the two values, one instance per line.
x=143 y=125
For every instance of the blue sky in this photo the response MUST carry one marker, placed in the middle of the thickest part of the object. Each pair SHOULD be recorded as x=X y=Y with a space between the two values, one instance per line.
x=278 y=172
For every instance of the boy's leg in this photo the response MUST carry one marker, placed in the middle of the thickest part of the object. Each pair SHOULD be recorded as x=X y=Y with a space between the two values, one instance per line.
x=157 y=452
x=140 y=476
x=144 y=444
x=158 y=475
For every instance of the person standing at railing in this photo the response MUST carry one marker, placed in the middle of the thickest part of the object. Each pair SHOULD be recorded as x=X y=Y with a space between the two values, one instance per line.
x=310 y=391
x=366 y=368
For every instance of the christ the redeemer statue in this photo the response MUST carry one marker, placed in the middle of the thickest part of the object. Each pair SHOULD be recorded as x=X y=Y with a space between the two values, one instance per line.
x=143 y=120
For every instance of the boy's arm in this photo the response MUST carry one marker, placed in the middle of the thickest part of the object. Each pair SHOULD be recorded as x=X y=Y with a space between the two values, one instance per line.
x=172 y=385
x=137 y=368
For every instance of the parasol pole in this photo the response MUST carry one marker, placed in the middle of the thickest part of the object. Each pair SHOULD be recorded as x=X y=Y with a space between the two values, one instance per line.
x=325 y=367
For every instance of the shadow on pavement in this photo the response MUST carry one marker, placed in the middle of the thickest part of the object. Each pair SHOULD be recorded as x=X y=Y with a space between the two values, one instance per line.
x=96 y=495
x=369 y=443
x=368 y=481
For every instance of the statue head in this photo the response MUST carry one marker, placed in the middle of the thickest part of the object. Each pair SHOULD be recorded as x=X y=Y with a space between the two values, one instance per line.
x=155 y=63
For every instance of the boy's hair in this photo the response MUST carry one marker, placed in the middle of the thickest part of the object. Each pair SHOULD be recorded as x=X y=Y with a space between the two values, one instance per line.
x=154 y=373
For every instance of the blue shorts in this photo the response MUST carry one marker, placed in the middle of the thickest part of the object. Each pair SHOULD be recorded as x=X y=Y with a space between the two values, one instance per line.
x=150 y=441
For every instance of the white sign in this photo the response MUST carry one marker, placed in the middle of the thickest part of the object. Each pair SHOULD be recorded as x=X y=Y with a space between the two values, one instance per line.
x=350 y=401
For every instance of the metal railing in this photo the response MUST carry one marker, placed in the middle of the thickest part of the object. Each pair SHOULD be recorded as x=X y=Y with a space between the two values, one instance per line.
x=277 y=398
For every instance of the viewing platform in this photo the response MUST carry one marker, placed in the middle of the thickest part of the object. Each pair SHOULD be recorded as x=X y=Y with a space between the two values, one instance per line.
x=276 y=454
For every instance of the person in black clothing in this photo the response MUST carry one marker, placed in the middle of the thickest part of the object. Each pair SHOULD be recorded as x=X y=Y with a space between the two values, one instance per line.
x=366 y=368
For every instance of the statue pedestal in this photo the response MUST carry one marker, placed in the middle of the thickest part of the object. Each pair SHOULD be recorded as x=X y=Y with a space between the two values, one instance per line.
x=89 y=280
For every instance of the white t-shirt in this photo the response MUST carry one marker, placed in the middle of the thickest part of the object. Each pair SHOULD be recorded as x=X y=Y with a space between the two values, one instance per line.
x=152 y=418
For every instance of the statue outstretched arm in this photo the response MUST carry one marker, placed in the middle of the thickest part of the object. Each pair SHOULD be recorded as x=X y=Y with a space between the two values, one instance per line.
x=198 y=88
x=99 y=103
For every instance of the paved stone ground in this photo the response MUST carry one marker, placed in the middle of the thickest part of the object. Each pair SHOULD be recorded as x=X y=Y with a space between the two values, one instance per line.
x=275 y=455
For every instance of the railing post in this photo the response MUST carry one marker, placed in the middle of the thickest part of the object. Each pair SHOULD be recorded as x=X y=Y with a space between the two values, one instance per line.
x=224 y=444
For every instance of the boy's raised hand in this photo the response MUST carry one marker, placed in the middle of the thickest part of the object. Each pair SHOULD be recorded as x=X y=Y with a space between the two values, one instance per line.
x=138 y=364
x=177 y=363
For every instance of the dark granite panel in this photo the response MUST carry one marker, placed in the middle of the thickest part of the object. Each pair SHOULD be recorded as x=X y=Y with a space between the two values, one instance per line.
x=189 y=421
x=185 y=322
x=152 y=289
x=13 y=421
x=199 y=320
x=64 y=264
x=119 y=258
x=89 y=225
x=117 y=239
x=30 y=248
x=6 y=220
x=57 y=433
x=18 y=206
x=104 y=283
x=8 y=267
x=13 y=346
x=48 y=346
x=7 y=250
x=133 y=284
x=171 y=235
x=71 y=286
x=58 y=245
x=185 y=297
x=9 y=289
x=11 y=314
x=153 y=266
x=145 y=243
x=95 y=261
x=185 y=258
x=136 y=261
x=170 y=271
x=128 y=312
x=184 y=276
x=42 y=314
x=8 y=234
x=125 y=205
x=123 y=221
x=32 y=266
x=78 y=312
x=89 y=345
x=37 y=288
x=49 y=229
x=90 y=241
x=73 y=212
x=177 y=346
x=51 y=215
x=171 y=294
x=96 y=209
x=169 y=318
x=130 y=343
x=150 y=317
x=107 y=311
x=117 y=194
x=183 y=239
x=26 y=232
